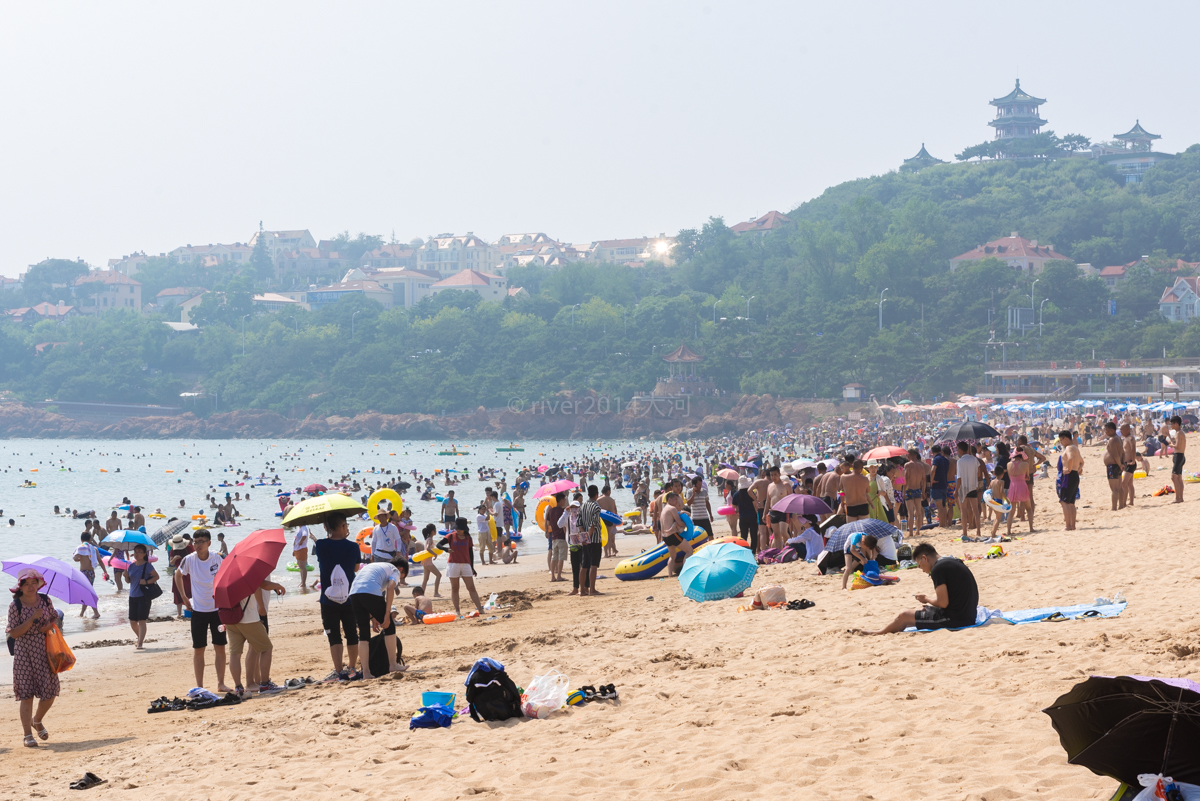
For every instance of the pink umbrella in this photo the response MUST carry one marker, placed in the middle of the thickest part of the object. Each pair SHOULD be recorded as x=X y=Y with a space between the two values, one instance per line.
x=555 y=487
x=543 y=468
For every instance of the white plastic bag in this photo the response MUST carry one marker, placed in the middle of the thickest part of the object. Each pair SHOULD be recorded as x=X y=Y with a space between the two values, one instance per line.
x=545 y=694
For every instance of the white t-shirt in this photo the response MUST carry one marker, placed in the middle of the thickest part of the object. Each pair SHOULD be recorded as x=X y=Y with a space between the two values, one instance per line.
x=300 y=542
x=385 y=540
x=481 y=525
x=202 y=573
x=250 y=615
x=373 y=579
x=498 y=511
x=968 y=473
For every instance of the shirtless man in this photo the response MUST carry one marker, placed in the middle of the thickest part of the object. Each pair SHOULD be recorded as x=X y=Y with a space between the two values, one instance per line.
x=915 y=478
x=777 y=490
x=1072 y=461
x=449 y=510
x=672 y=529
x=1114 y=451
x=1178 y=460
x=1128 y=462
x=855 y=502
x=758 y=491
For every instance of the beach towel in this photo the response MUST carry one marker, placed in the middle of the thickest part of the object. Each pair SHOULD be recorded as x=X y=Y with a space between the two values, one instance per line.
x=984 y=616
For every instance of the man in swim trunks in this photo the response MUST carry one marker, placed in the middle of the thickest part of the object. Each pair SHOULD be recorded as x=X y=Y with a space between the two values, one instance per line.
x=940 y=485
x=673 y=529
x=1113 y=454
x=449 y=510
x=758 y=491
x=88 y=558
x=1128 y=462
x=1072 y=466
x=915 y=478
x=855 y=486
x=1178 y=459
x=967 y=475
x=777 y=490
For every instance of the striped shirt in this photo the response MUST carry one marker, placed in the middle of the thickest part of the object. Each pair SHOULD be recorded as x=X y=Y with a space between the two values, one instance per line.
x=589 y=520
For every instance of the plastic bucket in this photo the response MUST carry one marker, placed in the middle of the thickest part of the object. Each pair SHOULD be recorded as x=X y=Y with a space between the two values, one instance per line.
x=429 y=699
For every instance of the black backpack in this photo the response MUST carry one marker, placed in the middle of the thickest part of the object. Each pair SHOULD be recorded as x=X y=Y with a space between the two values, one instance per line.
x=377 y=659
x=491 y=694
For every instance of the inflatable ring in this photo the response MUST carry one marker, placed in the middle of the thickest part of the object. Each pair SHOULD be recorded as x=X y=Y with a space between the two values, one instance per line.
x=1139 y=473
x=421 y=556
x=727 y=511
x=609 y=517
x=361 y=538
x=603 y=532
x=540 y=513
x=384 y=500
x=633 y=513
x=992 y=503
x=444 y=617
x=492 y=527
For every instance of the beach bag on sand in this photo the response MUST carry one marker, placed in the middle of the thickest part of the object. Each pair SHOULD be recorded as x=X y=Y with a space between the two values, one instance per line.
x=769 y=596
x=491 y=694
x=545 y=694
x=769 y=557
x=788 y=554
x=58 y=652
x=377 y=658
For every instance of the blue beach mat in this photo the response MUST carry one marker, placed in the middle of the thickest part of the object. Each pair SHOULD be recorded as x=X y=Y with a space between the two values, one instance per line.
x=1019 y=616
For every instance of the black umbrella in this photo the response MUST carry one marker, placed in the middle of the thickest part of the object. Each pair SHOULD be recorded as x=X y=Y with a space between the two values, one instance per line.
x=403 y=485
x=967 y=429
x=1126 y=725
x=168 y=531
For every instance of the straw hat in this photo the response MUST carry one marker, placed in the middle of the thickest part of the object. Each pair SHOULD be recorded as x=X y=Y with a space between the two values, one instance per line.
x=177 y=541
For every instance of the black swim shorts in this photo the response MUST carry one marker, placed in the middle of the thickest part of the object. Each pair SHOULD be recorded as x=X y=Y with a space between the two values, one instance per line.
x=673 y=540
x=1177 y=461
x=205 y=624
x=1070 y=488
x=778 y=517
x=1130 y=467
x=858 y=510
x=1113 y=470
x=973 y=494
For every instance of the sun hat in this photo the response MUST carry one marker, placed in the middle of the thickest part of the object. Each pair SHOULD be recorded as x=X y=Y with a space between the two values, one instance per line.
x=177 y=541
x=743 y=483
x=30 y=572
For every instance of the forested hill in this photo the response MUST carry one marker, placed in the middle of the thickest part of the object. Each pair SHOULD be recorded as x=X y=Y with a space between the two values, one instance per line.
x=796 y=310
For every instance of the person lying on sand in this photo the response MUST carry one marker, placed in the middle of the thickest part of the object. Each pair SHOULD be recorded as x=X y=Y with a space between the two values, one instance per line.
x=955 y=601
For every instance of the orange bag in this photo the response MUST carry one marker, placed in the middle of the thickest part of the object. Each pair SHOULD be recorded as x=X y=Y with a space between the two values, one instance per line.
x=58 y=652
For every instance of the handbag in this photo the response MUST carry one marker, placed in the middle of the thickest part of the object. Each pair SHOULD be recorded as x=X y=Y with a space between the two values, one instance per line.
x=151 y=590
x=58 y=652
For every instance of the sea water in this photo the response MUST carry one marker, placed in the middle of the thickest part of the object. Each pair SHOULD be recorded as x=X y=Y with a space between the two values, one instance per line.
x=96 y=475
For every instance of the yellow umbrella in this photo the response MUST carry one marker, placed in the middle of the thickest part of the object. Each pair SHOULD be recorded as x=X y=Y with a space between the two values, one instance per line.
x=314 y=510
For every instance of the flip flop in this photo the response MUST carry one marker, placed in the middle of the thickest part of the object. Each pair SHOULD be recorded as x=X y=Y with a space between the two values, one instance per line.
x=88 y=781
x=160 y=704
x=1057 y=617
x=1091 y=613
x=806 y=604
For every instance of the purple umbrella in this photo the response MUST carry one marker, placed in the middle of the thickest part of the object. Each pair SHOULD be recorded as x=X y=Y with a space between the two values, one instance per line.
x=802 y=505
x=62 y=581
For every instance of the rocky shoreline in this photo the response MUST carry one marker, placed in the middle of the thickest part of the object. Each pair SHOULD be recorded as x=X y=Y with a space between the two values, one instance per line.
x=580 y=415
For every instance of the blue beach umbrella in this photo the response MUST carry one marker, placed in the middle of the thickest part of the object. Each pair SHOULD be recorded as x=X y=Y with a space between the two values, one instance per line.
x=719 y=571
x=125 y=540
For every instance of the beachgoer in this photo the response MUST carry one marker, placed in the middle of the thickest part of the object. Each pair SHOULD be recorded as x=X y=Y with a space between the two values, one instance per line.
x=252 y=629
x=431 y=569
x=30 y=616
x=576 y=539
x=955 y=601
x=1018 y=488
x=301 y=538
x=698 y=506
x=609 y=504
x=385 y=538
x=371 y=595
x=915 y=479
x=776 y=491
x=337 y=554
x=88 y=557
x=589 y=522
x=967 y=487
x=1179 y=457
x=1113 y=454
x=140 y=573
x=201 y=567
x=1129 y=457
x=856 y=503
x=483 y=534
x=860 y=548
x=449 y=510
x=419 y=608
x=673 y=529
x=461 y=564
x=1070 y=467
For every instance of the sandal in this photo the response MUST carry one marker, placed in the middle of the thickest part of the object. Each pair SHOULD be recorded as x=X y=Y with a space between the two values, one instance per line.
x=806 y=604
x=1091 y=613
x=1057 y=617
x=608 y=692
x=589 y=693
x=88 y=781
x=41 y=730
x=160 y=704
x=30 y=741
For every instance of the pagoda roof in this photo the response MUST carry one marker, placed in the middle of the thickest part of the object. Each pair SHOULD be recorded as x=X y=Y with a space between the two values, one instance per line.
x=682 y=354
x=1016 y=119
x=1137 y=132
x=924 y=155
x=1017 y=95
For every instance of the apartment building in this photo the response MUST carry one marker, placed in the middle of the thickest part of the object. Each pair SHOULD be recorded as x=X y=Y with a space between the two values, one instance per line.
x=115 y=291
x=449 y=255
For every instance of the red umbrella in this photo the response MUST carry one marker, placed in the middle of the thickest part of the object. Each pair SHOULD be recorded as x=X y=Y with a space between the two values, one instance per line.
x=248 y=565
x=555 y=487
x=316 y=488
x=885 y=452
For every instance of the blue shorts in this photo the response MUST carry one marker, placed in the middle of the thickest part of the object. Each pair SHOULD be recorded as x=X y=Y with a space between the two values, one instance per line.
x=937 y=494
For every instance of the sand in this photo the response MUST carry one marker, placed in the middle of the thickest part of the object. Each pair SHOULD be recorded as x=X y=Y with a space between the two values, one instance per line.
x=714 y=704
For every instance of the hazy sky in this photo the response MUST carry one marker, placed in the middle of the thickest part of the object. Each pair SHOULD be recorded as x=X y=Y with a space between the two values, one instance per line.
x=149 y=126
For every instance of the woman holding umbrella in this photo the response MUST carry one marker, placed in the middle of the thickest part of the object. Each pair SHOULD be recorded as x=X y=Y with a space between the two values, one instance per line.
x=140 y=574
x=30 y=616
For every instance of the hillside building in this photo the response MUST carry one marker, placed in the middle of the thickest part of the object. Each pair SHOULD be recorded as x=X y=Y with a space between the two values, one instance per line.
x=1015 y=251
x=1017 y=114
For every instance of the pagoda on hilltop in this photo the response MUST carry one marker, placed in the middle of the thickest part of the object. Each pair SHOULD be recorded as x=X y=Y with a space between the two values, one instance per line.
x=1137 y=138
x=1017 y=115
x=920 y=161
x=681 y=378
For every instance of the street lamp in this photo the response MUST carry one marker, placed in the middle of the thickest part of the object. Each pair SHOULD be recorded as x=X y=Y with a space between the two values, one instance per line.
x=715 y=302
x=881 y=309
x=573 y=308
x=752 y=297
x=296 y=323
x=1041 y=314
x=1031 y=290
x=352 y=322
x=244 y=316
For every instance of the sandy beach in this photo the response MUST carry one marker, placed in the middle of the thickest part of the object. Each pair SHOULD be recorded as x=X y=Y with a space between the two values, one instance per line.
x=714 y=704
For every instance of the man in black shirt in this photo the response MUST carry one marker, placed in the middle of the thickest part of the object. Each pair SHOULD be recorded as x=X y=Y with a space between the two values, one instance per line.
x=954 y=603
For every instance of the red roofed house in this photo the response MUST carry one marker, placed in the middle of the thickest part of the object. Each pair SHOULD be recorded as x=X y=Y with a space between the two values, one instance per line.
x=1178 y=302
x=771 y=221
x=1018 y=252
x=116 y=291
x=486 y=285
x=1115 y=274
x=42 y=311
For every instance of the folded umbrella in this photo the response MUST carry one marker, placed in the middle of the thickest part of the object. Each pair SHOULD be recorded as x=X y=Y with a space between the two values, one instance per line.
x=248 y=565
x=315 y=510
x=555 y=487
x=125 y=540
x=720 y=570
x=1122 y=726
x=802 y=505
x=63 y=581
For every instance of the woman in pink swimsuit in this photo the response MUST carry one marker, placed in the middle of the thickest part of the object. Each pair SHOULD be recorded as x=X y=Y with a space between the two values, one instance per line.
x=1018 y=488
